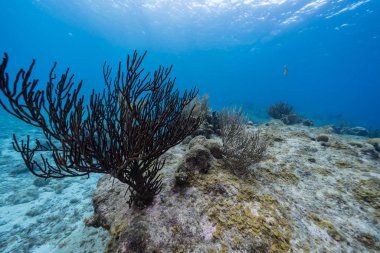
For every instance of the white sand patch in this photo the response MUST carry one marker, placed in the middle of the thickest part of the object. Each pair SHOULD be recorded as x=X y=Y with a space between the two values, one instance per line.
x=43 y=216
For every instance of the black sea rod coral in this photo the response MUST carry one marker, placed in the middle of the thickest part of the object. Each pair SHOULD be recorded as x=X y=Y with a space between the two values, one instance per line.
x=121 y=131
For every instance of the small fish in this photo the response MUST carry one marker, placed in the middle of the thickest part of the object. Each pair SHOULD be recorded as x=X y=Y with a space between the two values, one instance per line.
x=286 y=71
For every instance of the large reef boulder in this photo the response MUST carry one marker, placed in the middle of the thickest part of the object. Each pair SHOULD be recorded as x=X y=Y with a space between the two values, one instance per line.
x=305 y=196
x=197 y=160
x=375 y=142
x=213 y=145
x=215 y=212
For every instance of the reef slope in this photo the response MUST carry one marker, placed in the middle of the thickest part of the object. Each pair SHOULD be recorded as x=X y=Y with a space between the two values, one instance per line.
x=314 y=191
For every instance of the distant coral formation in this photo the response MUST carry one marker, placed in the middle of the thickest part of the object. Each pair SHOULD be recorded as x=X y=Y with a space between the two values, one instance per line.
x=122 y=131
x=286 y=114
x=280 y=110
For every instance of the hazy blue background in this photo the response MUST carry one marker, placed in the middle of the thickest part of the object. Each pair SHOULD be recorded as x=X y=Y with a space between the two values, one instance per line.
x=232 y=50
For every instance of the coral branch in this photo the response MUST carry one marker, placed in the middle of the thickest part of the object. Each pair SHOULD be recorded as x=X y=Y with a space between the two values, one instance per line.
x=122 y=131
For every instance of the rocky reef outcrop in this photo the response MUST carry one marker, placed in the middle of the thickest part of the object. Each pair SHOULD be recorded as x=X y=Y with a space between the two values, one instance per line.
x=315 y=191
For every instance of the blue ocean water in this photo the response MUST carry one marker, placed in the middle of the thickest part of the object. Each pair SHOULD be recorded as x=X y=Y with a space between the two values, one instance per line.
x=234 y=51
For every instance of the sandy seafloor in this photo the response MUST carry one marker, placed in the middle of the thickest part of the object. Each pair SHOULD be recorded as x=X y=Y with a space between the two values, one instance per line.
x=330 y=191
x=38 y=215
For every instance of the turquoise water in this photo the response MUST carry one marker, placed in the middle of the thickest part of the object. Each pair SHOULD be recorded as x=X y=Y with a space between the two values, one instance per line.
x=235 y=51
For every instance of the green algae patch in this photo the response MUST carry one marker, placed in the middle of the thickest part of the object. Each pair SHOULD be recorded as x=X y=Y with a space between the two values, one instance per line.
x=133 y=232
x=339 y=145
x=369 y=241
x=212 y=250
x=322 y=171
x=302 y=135
x=376 y=215
x=224 y=248
x=117 y=230
x=244 y=221
x=305 y=247
x=215 y=178
x=236 y=242
x=284 y=176
x=368 y=191
x=366 y=168
x=229 y=216
x=341 y=164
x=331 y=230
x=180 y=249
x=176 y=229
x=221 y=181
x=343 y=186
x=248 y=220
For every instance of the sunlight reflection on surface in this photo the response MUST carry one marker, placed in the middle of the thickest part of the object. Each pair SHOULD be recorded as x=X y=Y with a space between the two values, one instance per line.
x=196 y=22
